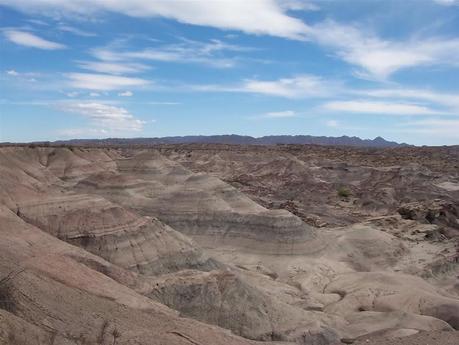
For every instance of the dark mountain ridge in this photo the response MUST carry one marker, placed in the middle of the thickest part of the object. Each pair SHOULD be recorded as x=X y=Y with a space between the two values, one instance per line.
x=240 y=139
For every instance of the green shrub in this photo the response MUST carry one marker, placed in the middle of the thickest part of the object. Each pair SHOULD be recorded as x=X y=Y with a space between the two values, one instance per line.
x=344 y=192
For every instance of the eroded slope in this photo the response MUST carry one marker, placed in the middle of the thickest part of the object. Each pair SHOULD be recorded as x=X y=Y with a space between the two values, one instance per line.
x=259 y=254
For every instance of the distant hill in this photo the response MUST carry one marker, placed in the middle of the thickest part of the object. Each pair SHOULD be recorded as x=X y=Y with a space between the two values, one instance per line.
x=240 y=139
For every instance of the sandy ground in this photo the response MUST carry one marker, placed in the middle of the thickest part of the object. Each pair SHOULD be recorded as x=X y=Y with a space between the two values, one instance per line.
x=422 y=338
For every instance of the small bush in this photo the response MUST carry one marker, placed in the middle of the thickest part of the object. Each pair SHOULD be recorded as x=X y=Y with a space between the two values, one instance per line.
x=344 y=192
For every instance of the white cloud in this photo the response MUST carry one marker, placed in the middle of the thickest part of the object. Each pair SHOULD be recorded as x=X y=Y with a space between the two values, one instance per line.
x=300 y=86
x=332 y=123
x=280 y=114
x=27 y=39
x=106 y=117
x=28 y=76
x=448 y=101
x=82 y=132
x=375 y=57
x=298 y=5
x=72 y=94
x=296 y=87
x=126 y=94
x=112 y=67
x=94 y=94
x=379 y=58
x=25 y=78
x=383 y=108
x=261 y=17
x=162 y=103
x=103 y=82
x=38 y=22
x=444 y=129
x=76 y=31
x=187 y=51
x=447 y=2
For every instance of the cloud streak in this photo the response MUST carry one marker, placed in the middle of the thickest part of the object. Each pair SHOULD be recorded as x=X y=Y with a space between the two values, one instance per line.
x=105 y=117
x=27 y=39
x=295 y=87
x=187 y=51
x=103 y=82
x=439 y=128
x=377 y=58
x=280 y=114
x=384 y=108
x=448 y=101
x=76 y=31
x=113 y=67
x=271 y=15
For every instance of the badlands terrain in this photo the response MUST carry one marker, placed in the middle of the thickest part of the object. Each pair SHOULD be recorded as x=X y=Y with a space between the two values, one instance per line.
x=199 y=244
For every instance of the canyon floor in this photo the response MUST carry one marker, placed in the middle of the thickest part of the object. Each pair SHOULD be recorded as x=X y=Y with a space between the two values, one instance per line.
x=200 y=244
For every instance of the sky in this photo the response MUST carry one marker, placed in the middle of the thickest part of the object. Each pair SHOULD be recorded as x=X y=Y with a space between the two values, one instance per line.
x=153 y=68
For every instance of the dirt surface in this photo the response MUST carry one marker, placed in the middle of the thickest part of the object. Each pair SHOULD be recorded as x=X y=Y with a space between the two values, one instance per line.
x=221 y=244
x=422 y=338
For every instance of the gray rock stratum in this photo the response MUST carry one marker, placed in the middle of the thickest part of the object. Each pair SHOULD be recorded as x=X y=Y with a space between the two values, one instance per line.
x=216 y=244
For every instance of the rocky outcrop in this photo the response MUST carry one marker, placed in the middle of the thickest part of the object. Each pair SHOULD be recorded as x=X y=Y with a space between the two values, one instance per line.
x=141 y=242
x=204 y=207
x=50 y=298
x=223 y=298
x=439 y=212
x=382 y=292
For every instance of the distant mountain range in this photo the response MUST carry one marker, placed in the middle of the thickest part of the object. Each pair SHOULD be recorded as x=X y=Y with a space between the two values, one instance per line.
x=238 y=140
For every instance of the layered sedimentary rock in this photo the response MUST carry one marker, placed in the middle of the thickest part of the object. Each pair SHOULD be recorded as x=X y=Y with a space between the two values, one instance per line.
x=204 y=207
x=139 y=243
x=224 y=298
x=49 y=297
x=240 y=238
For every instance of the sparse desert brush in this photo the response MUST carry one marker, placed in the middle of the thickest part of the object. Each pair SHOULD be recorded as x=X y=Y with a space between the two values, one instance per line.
x=343 y=192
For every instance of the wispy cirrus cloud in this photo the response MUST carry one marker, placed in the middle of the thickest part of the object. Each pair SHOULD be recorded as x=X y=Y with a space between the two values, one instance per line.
x=299 y=86
x=76 y=31
x=379 y=58
x=375 y=57
x=447 y=2
x=82 y=132
x=447 y=101
x=211 y=53
x=440 y=128
x=113 y=67
x=383 y=108
x=295 y=87
x=103 y=82
x=126 y=94
x=271 y=15
x=105 y=117
x=38 y=22
x=28 y=39
x=298 y=5
x=280 y=114
x=12 y=72
x=22 y=76
x=332 y=123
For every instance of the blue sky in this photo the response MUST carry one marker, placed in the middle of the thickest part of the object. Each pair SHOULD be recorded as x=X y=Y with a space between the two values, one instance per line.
x=149 y=68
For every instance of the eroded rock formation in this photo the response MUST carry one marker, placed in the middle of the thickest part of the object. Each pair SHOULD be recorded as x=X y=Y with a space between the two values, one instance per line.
x=217 y=244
